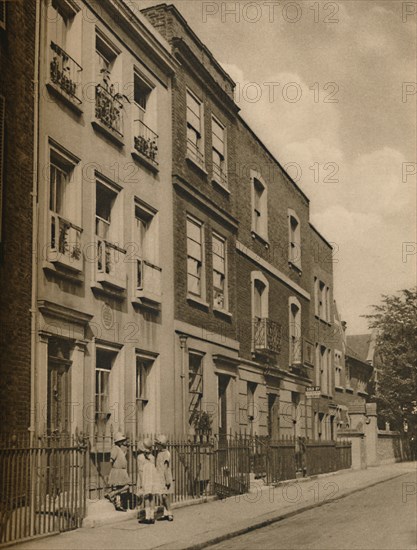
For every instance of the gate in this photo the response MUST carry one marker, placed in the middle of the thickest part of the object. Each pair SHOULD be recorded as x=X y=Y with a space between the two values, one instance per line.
x=42 y=486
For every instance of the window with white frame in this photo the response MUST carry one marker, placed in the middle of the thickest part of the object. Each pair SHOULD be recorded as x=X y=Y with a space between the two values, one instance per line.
x=218 y=136
x=111 y=263
x=260 y=311
x=104 y=364
x=142 y=391
x=219 y=272
x=144 y=118
x=146 y=243
x=295 y=332
x=64 y=207
x=294 y=252
x=259 y=208
x=142 y=373
x=195 y=385
x=105 y=202
x=63 y=33
x=108 y=67
x=105 y=60
x=195 y=141
x=195 y=257
x=322 y=300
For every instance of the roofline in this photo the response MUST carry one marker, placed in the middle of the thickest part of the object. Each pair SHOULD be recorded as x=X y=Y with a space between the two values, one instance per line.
x=143 y=28
x=262 y=144
x=320 y=235
x=190 y=31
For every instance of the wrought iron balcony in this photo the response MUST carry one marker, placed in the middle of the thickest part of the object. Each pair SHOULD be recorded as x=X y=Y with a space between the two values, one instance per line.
x=194 y=153
x=65 y=73
x=111 y=264
x=65 y=242
x=267 y=335
x=146 y=141
x=219 y=175
x=148 y=282
x=109 y=109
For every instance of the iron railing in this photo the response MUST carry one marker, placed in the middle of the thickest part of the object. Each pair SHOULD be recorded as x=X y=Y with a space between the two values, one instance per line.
x=42 y=486
x=65 y=72
x=267 y=335
x=65 y=242
x=202 y=466
x=109 y=109
x=282 y=459
x=146 y=141
x=219 y=174
x=194 y=153
x=328 y=456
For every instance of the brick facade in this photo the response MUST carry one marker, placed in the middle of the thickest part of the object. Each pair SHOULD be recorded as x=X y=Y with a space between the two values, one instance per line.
x=17 y=54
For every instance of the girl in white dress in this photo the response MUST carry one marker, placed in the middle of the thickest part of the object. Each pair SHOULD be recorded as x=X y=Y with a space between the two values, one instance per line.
x=163 y=468
x=148 y=484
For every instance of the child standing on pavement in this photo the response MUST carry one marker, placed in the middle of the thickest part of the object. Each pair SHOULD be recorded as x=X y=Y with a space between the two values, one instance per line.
x=163 y=468
x=147 y=482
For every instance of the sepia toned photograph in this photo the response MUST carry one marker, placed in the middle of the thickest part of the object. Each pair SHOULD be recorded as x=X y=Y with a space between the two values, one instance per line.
x=208 y=274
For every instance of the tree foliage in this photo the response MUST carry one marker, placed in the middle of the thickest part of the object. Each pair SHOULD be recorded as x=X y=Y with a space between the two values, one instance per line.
x=395 y=321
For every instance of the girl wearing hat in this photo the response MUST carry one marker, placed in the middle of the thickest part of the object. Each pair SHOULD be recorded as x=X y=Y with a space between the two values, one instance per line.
x=119 y=478
x=147 y=483
x=163 y=468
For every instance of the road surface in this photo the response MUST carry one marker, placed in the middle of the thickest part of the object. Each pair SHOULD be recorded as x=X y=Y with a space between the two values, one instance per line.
x=380 y=517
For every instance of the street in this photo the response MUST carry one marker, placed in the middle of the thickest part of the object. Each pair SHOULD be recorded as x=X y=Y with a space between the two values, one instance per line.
x=380 y=517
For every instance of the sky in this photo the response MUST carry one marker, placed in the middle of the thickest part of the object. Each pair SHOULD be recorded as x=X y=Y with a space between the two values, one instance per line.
x=331 y=89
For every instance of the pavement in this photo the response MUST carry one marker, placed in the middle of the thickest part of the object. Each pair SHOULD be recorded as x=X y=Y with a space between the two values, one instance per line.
x=196 y=527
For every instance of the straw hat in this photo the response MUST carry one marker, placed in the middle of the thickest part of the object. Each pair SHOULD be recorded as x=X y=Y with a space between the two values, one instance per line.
x=147 y=443
x=119 y=437
x=161 y=439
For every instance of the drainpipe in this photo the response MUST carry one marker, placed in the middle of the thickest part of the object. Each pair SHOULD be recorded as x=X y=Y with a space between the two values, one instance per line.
x=34 y=194
x=183 y=344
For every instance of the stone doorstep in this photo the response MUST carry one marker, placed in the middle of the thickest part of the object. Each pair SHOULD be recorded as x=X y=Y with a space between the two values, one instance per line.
x=102 y=512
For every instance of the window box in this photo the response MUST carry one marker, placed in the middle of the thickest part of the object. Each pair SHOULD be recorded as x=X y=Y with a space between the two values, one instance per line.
x=148 y=285
x=65 y=243
x=146 y=141
x=111 y=265
x=64 y=74
x=267 y=335
x=109 y=110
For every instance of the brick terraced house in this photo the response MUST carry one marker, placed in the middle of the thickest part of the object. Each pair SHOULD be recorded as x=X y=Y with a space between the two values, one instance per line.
x=254 y=320
x=177 y=271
